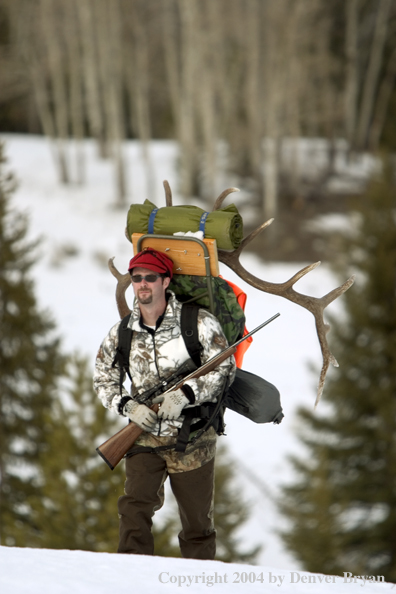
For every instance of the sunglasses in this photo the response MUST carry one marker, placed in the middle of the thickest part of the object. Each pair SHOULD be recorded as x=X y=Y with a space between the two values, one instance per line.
x=150 y=278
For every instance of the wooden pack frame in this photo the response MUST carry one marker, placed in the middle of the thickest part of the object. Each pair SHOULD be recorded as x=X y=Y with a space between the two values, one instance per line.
x=190 y=255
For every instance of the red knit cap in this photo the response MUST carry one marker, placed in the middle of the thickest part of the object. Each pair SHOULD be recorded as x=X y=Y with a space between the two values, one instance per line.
x=153 y=260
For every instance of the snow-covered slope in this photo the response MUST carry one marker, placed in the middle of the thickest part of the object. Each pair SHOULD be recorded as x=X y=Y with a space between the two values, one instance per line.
x=80 y=230
x=41 y=571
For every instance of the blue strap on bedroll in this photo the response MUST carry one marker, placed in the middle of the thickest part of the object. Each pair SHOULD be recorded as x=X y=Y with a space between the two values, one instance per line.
x=203 y=221
x=151 y=220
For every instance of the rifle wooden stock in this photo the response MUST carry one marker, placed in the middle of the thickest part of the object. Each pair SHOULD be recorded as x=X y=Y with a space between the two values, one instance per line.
x=115 y=448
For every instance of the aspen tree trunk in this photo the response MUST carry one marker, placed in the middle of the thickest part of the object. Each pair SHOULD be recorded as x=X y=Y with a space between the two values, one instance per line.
x=207 y=150
x=53 y=48
x=228 y=77
x=109 y=35
x=189 y=74
x=171 y=56
x=271 y=174
x=352 y=68
x=325 y=66
x=373 y=71
x=40 y=91
x=137 y=76
x=220 y=83
x=102 y=42
x=384 y=95
x=273 y=87
x=253 y=91
x=116 y=124
x=295 y=54
x=86 y=10
x=205 y=92
x=228 y=72
x=74 y=53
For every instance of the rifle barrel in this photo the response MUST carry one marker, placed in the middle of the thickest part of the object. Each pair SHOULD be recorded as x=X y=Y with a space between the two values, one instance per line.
x=256 y=329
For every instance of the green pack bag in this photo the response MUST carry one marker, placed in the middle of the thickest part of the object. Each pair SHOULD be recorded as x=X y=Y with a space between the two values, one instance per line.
x=226 y=307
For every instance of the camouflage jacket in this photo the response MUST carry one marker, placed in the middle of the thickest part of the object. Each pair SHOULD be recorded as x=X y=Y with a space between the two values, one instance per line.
x=156 y=356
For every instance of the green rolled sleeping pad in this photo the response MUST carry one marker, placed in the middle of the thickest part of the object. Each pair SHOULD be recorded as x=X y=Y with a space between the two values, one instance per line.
x=225 y=225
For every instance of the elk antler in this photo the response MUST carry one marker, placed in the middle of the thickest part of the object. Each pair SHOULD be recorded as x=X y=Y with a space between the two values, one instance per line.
x=124 y=281
x=222 y=197
x=316 y=305
x=313 y=304
x=168 y=193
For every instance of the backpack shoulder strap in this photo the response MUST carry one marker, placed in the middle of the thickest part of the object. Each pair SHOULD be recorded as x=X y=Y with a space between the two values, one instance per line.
x=124 y=346
x=189 y=330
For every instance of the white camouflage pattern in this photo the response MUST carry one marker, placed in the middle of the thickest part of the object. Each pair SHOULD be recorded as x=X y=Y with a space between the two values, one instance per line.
x=156 y=357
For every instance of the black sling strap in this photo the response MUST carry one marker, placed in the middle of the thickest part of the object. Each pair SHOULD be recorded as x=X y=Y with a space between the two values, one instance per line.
x=189 y=330
x=123 y=349
x=205 y=411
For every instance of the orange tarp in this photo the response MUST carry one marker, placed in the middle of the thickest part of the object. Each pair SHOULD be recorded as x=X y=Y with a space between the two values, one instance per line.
x=243 y=347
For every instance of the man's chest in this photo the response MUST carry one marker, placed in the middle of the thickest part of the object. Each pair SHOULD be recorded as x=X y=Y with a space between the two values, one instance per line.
x=155 y=356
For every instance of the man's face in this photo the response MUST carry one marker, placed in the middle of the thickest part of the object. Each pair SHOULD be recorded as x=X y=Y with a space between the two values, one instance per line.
x=146 y=292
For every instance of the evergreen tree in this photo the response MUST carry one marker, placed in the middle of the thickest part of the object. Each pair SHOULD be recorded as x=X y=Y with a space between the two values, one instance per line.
x=30 y=362
x=342 y=506
x=79 y=505
x=55 y=491
x=230 y=513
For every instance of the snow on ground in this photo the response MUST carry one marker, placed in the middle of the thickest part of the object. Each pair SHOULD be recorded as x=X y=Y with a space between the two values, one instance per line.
x=41 y=571
x=80 y=230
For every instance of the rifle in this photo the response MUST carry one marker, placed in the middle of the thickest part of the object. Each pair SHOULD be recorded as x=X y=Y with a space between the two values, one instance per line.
x=115 y=448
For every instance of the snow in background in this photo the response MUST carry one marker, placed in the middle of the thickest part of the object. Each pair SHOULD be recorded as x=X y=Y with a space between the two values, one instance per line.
x=80 y=230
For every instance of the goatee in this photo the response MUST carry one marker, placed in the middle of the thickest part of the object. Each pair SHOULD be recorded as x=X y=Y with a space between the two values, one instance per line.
x=145 y=300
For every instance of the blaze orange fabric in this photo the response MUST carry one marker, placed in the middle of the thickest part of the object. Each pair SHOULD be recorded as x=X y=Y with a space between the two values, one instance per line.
x=243 y=347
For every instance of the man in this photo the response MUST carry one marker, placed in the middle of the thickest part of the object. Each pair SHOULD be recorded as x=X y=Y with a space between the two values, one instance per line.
x=157 y=351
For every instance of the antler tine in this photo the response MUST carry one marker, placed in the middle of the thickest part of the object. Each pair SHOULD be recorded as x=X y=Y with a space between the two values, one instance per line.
x=114 y=271
x=124 y=281
x=253 y=234
x=222 y=197
x=322 y=329
x=332 y=295
x=168 y=193
x=316 y=305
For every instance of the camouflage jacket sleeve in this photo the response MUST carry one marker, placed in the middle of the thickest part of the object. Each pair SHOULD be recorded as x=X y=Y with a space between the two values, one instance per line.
x=106 y=379
x=208 y=387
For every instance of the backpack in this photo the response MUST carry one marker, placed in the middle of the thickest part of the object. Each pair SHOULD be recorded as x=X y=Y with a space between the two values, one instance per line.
x=228 y=305
x=249 y=395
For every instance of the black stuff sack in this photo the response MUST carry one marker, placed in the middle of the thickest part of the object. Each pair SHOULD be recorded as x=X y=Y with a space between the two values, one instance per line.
x=254 y=398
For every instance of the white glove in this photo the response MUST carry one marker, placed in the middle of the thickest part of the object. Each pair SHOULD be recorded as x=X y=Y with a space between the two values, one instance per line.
x=141 y=415
x=172 y=404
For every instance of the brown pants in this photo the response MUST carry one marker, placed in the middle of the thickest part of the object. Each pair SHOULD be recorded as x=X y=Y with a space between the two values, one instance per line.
x=144 y=495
